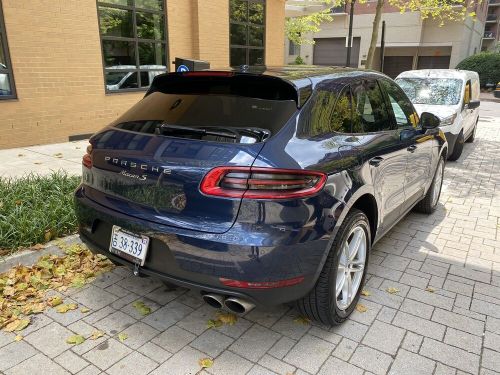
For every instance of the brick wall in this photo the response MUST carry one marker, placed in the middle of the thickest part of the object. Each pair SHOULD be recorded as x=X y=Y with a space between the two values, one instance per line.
x=275 y=31
x=56 y=57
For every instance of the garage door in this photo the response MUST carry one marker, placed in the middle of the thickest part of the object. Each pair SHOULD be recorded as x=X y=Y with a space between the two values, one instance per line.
x=393 y=65
x=433 y=62
x=332 y=51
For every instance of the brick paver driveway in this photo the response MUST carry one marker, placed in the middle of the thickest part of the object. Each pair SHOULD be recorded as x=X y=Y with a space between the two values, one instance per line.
x=444 y=317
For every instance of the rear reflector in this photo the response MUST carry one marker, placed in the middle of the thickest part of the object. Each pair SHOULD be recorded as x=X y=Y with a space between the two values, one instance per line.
x=261 y=284
x=262 y=183
x=87 y=158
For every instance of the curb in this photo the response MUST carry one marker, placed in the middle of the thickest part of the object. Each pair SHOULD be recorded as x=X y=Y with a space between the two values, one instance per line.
x=29 y=257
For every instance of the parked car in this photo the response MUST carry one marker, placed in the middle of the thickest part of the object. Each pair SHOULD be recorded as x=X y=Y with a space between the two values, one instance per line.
x=450 y=94
x=496 y=93
x=121 y=77
x=260 y=188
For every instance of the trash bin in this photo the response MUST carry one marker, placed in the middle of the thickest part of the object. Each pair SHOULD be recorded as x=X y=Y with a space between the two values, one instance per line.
x=189 y=65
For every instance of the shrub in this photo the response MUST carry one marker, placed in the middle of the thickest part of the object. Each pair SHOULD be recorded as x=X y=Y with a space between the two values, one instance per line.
x=35 y=209
x=486 y=64
x=299 y=60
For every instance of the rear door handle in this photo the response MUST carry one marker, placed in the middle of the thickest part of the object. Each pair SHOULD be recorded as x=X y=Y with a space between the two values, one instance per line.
x=412 y=148
x=376 y=161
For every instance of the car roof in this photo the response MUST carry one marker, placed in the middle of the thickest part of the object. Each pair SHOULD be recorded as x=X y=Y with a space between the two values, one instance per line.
x=437 y=73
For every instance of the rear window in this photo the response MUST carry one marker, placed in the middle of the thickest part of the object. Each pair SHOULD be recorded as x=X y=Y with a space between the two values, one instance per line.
x=246 y=113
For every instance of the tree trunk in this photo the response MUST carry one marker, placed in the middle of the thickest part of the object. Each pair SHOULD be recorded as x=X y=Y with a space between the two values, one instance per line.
x=373 y=42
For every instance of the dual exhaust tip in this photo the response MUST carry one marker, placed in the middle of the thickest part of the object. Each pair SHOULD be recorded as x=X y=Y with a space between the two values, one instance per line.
x=234 y=304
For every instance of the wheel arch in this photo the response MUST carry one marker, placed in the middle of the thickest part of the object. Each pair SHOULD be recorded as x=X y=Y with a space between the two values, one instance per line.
x=368 y=205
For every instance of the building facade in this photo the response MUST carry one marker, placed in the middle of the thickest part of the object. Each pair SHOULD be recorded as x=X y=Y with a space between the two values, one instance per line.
x=491 y=37
x=69 y=67
x=410 y=42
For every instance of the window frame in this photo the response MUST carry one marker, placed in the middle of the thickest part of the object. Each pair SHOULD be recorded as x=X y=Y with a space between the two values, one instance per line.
x=248 y=47
x=389 y=107
x=364 y=82
x=135 y=39
x=8 y=71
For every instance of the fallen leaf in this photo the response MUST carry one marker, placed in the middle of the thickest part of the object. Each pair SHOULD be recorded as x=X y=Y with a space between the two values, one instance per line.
x=47 y=235
x=18 y=202
x=302 y=320
x=430 y=290
x=55 y=301
x=75 y=340
x=64 y=308
x=18 y=338
x=365 y=293
x=17 y=325
x=214 y=323
x=142 y=308
x=361 y=308
x=38 y=246
x=20 y=155
x=227 y=318
x=96 y=334
x=84 y=310
x=205 y=362
x=122 y=337
x=37 y=163
x=392 y=290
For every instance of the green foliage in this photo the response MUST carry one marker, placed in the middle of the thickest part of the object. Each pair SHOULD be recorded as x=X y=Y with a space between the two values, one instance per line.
x=36 y=209
x=296 y=28
x=299 y=61
x=486 y=64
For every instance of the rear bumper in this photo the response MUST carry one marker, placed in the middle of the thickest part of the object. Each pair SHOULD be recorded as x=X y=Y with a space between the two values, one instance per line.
x=197 y=260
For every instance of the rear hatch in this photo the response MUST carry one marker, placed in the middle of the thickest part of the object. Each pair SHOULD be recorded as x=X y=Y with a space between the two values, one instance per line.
x=150 y=162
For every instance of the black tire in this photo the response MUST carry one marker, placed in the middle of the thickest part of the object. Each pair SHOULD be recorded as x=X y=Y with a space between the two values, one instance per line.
x=321 y=302
x=459 y=146
x=426 y=205
x=472 y=137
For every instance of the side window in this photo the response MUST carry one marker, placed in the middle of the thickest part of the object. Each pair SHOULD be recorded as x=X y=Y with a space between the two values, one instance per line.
x=370 y=113
x=467 y=93
x=402 y=109
x=327 y=112
x=341 y=119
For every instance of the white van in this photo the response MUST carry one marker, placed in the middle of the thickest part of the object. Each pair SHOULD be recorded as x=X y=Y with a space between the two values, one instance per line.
x=450 y=94
x=120 y=77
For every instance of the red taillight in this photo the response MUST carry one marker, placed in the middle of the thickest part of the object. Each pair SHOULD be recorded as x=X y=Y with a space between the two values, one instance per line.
x=261 y=284
x=87 y=158
x=262 y=183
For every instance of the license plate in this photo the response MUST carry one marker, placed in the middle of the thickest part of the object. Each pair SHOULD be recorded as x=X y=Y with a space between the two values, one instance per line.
x=131 y=246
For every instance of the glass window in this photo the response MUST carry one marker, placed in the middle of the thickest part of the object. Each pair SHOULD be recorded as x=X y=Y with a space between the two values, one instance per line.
x=247 y=32
x=402 y=109
x=432 y=91
x=370 y=114
x=327 y=113
x=7 y=89
x=134 y=42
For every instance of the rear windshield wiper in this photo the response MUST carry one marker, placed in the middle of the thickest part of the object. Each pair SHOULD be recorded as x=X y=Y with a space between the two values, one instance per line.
x=166 y=128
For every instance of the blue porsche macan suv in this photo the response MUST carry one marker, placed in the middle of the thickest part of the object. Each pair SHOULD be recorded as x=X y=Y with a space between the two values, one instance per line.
x=260 y=187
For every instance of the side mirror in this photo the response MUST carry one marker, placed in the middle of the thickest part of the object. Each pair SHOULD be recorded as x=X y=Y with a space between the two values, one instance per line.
x=429 y=121
x=473 y=104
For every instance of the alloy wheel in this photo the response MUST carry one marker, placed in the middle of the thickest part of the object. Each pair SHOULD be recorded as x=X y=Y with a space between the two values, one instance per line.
x=438 y=181
x=351 y=267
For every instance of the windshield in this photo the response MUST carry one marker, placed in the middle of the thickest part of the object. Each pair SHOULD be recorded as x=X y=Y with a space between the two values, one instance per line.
x=113 y=78
x=433 y=91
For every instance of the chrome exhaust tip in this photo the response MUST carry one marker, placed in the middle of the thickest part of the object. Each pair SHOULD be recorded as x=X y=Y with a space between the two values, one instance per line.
x=238 y=305
x=214 y=300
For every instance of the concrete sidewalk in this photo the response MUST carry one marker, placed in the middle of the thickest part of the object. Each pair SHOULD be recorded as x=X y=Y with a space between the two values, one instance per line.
x=45 y=159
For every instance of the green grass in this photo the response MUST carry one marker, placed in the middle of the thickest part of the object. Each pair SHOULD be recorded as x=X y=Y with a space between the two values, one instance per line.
x=35 y=209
